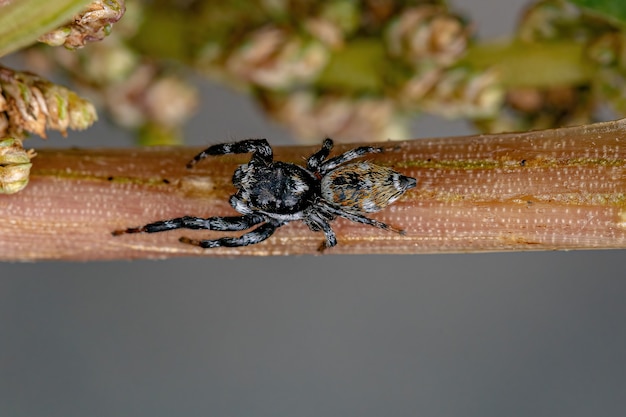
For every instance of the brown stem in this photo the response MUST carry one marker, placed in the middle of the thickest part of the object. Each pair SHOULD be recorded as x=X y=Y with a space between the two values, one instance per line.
x=544 y=190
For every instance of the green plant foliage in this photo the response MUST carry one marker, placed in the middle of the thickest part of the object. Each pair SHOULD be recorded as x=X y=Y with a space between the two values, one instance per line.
x=23 y=21
x=611 y=9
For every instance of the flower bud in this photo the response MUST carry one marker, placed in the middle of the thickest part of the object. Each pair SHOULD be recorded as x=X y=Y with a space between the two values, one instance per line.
x=14 y=166
x=92 y=24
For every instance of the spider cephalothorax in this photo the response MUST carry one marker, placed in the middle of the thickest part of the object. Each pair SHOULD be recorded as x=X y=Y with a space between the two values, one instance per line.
x=274 y=193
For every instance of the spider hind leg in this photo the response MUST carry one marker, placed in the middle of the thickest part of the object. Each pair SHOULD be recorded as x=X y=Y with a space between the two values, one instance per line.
x=333 y=163
x=359 y=218
x=319 y=221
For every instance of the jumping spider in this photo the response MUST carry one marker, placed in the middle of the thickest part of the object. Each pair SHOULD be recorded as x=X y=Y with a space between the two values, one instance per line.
x=275 y=193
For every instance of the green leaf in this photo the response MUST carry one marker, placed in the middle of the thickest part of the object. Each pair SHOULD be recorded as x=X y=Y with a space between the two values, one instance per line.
x=23 y=21
x=614 y=10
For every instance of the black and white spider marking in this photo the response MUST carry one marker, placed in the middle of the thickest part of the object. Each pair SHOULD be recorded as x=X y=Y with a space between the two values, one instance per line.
x=275 y=193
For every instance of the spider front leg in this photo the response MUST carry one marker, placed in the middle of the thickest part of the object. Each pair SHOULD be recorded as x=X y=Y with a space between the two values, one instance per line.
x=260 y=147
x=315 y=161
x=187 y=222
x=256 y=236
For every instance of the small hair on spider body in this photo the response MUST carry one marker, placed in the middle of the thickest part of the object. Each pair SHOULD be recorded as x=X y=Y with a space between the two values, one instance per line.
x=271 y=194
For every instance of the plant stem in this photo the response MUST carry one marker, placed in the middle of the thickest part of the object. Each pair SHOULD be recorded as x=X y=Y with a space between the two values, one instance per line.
x=538 y=65
x=544 y=190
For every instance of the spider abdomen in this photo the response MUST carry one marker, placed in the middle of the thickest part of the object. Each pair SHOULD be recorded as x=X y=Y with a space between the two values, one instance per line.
x=363 y=187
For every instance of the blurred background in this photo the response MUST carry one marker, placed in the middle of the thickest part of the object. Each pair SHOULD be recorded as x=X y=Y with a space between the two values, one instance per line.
x=508 y=334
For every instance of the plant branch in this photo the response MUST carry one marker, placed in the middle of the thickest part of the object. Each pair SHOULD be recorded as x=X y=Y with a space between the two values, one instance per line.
x=537 y=65
x=544 y=190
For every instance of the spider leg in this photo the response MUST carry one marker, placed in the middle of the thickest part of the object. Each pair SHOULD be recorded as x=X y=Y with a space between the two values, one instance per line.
x=211 y=223
x=260 y=147
x=320 y=221
x=315 y=161
x=331 y=238
x=360 y=219
x=257 y=235
x=333 y=163
x=239 y=205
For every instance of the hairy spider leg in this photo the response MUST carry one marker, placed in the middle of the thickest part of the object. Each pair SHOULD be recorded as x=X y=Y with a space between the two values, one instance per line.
x=333 y=163
x=239 y=205
x=319 y=221
x=331 y=238
x=358 y=218
x=259 y=147
x=315 y=161
x=187 y=222
x=257 y=235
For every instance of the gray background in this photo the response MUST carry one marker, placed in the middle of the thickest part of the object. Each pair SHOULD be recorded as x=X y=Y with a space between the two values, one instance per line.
x=520 y=334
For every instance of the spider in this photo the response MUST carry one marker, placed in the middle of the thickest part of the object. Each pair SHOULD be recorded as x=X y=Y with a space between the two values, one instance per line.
x=273 y=194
